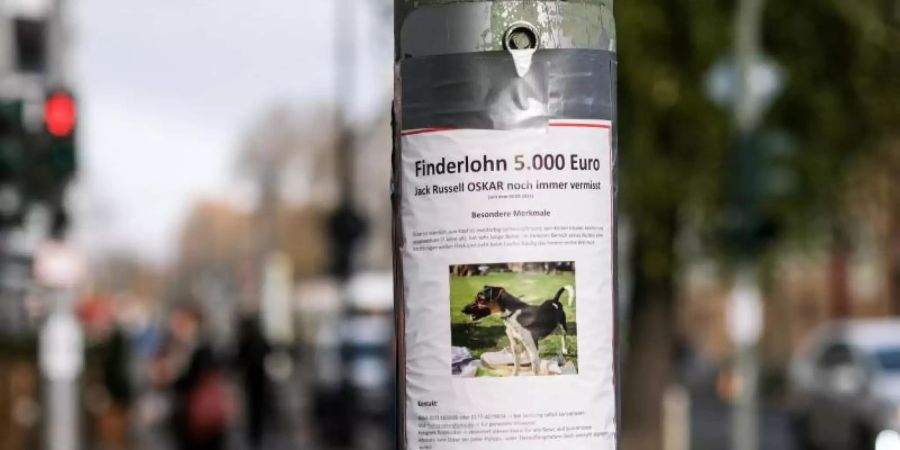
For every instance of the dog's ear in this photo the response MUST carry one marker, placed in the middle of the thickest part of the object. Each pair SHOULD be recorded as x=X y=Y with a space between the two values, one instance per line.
x=493 y=291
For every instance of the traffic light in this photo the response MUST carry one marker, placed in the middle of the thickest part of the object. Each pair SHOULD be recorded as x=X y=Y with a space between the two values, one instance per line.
x=759 y=178
x=12 y=145
x=346 y=228
x=13 y=155
x=30 y=45
x=60 y=120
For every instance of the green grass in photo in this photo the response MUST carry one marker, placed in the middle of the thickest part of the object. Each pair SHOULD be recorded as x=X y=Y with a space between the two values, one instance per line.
x=489 y=334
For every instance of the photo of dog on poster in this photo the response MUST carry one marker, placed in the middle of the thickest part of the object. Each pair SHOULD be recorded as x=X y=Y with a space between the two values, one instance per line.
x=513 y=319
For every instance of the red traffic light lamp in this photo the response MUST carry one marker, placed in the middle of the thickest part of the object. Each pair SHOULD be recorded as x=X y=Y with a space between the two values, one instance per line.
x=60 y=119
x=60 y=114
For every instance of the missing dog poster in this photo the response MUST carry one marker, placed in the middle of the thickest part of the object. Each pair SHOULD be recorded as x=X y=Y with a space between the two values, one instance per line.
x=507 y=330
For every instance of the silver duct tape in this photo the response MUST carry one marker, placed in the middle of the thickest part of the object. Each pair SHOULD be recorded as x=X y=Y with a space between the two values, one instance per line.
x=440 y=27
x=483 y=91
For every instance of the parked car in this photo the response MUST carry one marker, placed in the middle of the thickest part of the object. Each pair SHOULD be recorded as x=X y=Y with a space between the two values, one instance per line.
x=846 y=386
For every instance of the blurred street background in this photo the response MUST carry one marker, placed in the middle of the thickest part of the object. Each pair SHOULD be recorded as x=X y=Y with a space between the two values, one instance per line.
x=195 y=224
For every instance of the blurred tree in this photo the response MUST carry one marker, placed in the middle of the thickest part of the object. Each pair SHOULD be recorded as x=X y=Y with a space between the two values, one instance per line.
x=287 y=163
x=289 y=158
x=287 y=151
x=875 y=196
x=841 y=63
x=672 y=143
x=843 y=60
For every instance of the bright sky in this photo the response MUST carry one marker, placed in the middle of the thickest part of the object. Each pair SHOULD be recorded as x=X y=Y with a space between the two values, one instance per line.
x=169 y=87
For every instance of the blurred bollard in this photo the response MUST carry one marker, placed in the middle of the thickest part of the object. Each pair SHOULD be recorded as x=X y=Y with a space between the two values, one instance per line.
x=676 y=418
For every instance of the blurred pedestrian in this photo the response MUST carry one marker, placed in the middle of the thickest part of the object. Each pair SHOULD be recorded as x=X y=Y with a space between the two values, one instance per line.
x=108 y=377
x=117 y=381
x=253 y=349
x=202 y=410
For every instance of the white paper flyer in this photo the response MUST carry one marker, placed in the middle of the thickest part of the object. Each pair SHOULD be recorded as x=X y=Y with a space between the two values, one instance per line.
x=507 y=256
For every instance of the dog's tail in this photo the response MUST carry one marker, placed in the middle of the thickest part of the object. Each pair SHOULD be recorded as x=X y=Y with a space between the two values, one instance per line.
x=568 y=289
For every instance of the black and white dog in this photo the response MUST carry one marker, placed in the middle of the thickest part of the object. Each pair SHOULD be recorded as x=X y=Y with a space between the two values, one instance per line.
x=525 y=324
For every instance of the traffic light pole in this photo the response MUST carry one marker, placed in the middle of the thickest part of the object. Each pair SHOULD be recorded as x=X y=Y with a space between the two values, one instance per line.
x=496 y=104
x=346 y=225
x=61 y=351
x=61 y=339
x=745 y=309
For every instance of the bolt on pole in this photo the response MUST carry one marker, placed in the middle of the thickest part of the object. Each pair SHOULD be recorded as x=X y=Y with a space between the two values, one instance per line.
x=504 y=224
